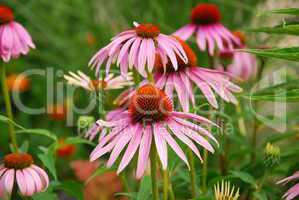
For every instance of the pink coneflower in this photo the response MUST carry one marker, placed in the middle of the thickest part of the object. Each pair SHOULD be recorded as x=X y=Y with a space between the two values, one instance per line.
x=293 y=191
x=14 y=39
x=19 y=168
x=207 y=80
x=205 y=23
x=137 y=48
x=244 y=65
x=110 y=82
x=149 y=119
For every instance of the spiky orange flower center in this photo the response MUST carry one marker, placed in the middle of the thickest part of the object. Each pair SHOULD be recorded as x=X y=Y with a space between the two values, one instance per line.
x=6 y=14
x=192 y=59
x=18 y=160
x=150 y=104
x=98 y=84
x=147 y=30
x=205 y=13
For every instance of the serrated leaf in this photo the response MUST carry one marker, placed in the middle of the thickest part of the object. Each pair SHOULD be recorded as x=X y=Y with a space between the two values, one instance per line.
x=78 y=140
x=42 y=132
x=280 y=53
x=72 y=188
x=245 y=177
x=145 y=188
x=49 y=162
x=292 y=29
x=288 y=11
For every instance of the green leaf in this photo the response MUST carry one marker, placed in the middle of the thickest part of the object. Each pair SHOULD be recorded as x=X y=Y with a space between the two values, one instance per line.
x=288 y=11
x=145 y=188
x=72 y=188
x=7 y=120
x=49 y=162
x=288 y=91
x=260 y=195
x=78 y=140
x=280 y=136
x=280 y=53
x=42 y=132
x=245 y=177
x=292 y=29
x=45 y=196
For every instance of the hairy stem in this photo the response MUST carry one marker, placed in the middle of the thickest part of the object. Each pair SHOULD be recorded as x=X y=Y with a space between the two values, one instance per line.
x=204 y=171
x=192 y=173
x=165 y=184
x=11 y=129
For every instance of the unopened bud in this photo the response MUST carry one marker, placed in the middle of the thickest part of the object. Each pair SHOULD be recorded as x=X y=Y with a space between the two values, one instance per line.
x=272 y=155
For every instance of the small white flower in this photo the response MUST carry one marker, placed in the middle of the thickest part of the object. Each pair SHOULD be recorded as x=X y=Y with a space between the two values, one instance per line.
x=110 y=82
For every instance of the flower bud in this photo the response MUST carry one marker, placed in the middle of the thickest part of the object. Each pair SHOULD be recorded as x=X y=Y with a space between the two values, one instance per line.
x=272 y=155
x=85 y=122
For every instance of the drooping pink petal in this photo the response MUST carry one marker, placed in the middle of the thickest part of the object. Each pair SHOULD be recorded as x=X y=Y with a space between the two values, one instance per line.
x=101 y=149
x=198 y=138
x=21 y=182
x=161 y=145
x=134 y=52
x=193 y=117
x=36 y=179
x=176 y=46
x=121 y=143
x=177 y=132
x=181 y=91
x=162 y=44
x=292 y=192
x=172 y=143
x=144 y=150
x=185 y=32
x=160 y=80
x=29 y=182
x=151 y=54
x=205 y=89
x=201 y=38
x=124 y=50
x=142 y=57
x=132 y=148
x=8 y=180
x=43 y=176
x=169 y=87
x=196 y=128
x=187 y=83
x=23 y=34
x=6 y=43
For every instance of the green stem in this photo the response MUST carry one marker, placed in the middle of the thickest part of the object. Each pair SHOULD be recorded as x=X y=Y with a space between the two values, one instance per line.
x=165 y=184
x=150 y=77
x=154 y=173
x=125 y=183
x=11 y=129
x=192 y=173
x=204 y=171
x=241 y=121
x=171 y=193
